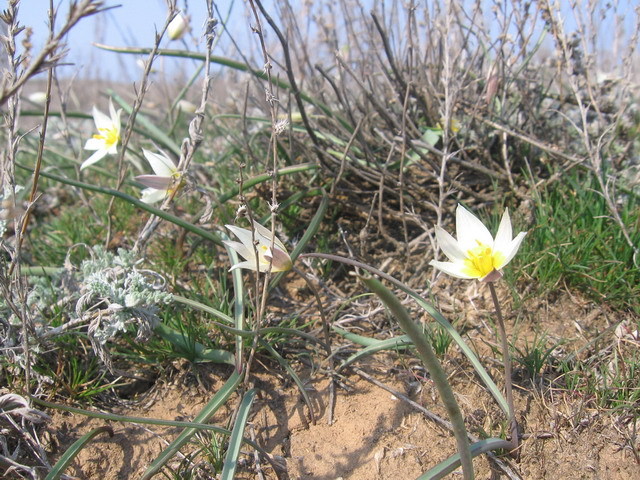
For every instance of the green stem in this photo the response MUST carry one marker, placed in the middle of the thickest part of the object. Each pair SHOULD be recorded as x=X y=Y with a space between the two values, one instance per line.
x=506 y=360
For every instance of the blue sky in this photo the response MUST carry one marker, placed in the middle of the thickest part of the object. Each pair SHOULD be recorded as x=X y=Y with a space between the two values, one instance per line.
x=133 y=23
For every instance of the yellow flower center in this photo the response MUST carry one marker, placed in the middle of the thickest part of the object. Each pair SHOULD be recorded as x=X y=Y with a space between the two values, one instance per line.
x=262 y=249
x=109 y=135
x=482 y=260
x=176 y=183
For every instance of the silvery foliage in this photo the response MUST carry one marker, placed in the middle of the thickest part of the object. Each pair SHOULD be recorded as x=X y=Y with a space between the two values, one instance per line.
x=111 y=295
x=115 y=294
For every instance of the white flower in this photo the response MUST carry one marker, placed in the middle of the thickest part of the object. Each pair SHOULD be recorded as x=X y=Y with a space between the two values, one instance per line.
x=277 y=256
x=105 y=142
x=476 y=254
x=186 y=106
x=39 y=98
x=178 y=26
x=166 y=180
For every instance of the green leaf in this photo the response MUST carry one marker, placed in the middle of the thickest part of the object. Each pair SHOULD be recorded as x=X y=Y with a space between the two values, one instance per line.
x=432 y=364
x=395 y=343
x=235 y=442
x=182 y=342
x=205 y=414
x=450 y=464
x=71 y=452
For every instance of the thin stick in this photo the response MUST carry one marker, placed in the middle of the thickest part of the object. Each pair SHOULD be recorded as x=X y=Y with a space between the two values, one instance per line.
x=327 y=344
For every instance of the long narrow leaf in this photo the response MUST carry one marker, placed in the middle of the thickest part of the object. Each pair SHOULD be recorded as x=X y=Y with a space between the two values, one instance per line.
x=395 y=343
x=71 y=452
x=146 y=421
x=238 y=305
x=450 y=464
x=227 y=62
x=202 y=354
x=235 y=442
x=292 y=373
x=236 y=331
x=207 y=412
x=436 y=371
x=437 y=316
x=213 y=237
x=258 y=179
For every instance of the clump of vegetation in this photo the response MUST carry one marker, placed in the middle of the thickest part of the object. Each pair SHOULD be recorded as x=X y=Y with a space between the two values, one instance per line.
x=219 y=219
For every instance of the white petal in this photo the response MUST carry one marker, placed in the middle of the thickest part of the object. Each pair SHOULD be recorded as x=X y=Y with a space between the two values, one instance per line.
x=505 y=234
x=265 y=233
x=470 y=230
x=115 y=116
x=101 y=120
x=154 y=181
x=162 y=165
x=280 y=260
x=241 y=249
x=449 y=245
x=152 y=195
x=113 y=149
x=94 y=144
x=511 y=251
x=243 y=235
x=451 y=268
x=96 y=157
x=248 y=265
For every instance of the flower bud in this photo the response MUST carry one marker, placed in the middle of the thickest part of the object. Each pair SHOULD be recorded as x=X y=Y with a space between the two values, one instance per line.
x=178 y=26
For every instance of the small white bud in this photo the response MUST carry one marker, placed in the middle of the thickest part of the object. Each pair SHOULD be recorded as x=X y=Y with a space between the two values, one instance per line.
x=178 y=26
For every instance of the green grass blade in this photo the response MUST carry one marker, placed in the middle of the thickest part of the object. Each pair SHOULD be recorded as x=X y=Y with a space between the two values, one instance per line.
x=202 y=354
x=355 y=338
x=313 y=227
x=204 y=308
x=436 y=371
x=450 y=464
x=258 y=179
x=235 y=442
x=71 y=452
x=309 y=233
x=146 y=421
x=238 y=304
x=437 y=316
x=207 y=412
x=292 y=373
x=480 y=370
x=395 y=343
x=227 y=62
x=139 y=420
x=236 y=331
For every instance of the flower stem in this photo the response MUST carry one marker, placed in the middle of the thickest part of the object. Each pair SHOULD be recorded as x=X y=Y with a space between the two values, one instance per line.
x=506 y=360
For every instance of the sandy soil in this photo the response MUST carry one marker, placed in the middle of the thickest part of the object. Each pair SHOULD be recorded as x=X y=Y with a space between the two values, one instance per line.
x=376 y=434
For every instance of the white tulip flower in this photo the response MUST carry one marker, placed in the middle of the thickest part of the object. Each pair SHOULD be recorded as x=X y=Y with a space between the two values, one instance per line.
x=166 y=180
x=178 y=26
x=475 y=253
x=259 y=255
x=105 y=142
